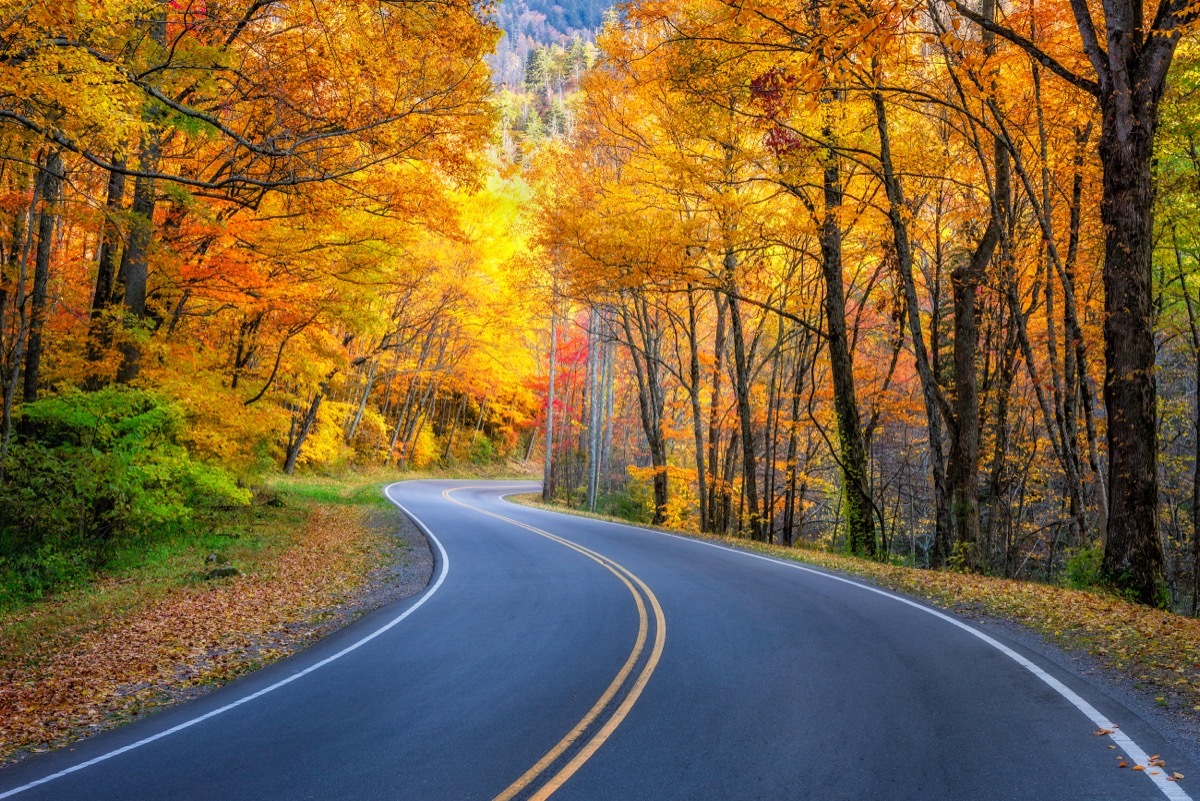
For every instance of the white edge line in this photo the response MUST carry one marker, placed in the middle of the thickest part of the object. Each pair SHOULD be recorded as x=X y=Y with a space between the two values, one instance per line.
x=1171 y=790
x=316 y=666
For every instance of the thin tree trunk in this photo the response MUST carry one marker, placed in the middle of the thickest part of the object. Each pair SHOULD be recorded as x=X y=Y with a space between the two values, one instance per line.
x=462 y=407
x=693 y=335
x=793 y=467
x=547 y=469
x=301 y=433
x=742 y=374
x=929 y=389
x=714 y=410
x=1194 y=344
x=21 y=303
x=645 y=353
x=362 y=402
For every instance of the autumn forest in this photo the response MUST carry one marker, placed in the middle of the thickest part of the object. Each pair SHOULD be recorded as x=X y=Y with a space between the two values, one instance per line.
x=917 y=280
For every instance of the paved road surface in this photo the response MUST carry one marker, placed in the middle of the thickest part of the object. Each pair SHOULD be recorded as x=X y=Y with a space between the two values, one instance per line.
x=555 y=655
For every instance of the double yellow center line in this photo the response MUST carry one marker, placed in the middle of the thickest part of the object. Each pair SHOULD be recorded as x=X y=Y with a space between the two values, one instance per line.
x=591 y=721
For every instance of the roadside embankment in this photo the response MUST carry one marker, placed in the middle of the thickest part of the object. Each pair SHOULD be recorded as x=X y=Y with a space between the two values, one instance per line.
x=307 y=557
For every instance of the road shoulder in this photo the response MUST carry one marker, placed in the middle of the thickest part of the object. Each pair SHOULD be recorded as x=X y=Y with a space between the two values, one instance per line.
x=136 y=650
x=1146 y=660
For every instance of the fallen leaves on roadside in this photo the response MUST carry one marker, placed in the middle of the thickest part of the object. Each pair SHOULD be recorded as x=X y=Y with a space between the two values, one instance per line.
x=192 y=637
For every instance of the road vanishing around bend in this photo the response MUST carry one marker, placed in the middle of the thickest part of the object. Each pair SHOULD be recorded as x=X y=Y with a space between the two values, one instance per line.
x=557 y=656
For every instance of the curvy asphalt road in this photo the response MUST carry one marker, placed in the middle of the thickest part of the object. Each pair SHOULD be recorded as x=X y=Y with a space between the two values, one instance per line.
x=555 y=655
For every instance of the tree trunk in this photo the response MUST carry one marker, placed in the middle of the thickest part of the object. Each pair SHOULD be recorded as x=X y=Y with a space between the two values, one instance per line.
x=1130 y=69
x=714 y=411
x=693 y=335
x=1194 y=345
x=793 y=464
x=110 y=236
x=135 y=260
x=21 y=304
x=301 y=432
x=742 y=372
x=51 y=178
x=645 y=353
x=1133 y=557
x=852 y=456
x=547 y=469
x=362 y=402
x=929 y=388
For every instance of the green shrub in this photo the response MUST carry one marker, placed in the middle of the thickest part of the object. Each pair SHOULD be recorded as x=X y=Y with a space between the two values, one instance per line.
x=1083 y=568
x=634 y=503
x=88 y=468
x=483 y=451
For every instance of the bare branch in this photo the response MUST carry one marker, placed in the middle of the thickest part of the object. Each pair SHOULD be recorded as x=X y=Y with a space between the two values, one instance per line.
x=1035 y=52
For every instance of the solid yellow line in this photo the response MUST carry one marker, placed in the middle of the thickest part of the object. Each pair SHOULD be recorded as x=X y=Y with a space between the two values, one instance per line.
x=622 y=711
x=619 y=716
x=566 y=742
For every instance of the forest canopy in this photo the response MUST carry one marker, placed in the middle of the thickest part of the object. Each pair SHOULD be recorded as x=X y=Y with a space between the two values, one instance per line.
x=908 y=278
x=911 y=278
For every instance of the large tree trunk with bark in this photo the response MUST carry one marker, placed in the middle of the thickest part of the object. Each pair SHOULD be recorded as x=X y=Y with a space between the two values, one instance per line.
x=135 y=260
x=51 y=180
x=852 y=455
x=1133 y=556
x=107 y=262
x=110 y=240
x=1130 y=68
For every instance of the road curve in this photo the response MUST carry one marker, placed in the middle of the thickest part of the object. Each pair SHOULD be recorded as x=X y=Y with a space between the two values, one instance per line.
x=562 y=656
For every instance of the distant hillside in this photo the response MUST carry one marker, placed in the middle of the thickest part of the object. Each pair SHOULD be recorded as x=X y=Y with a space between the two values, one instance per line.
x=530 y=23
x=566 y=16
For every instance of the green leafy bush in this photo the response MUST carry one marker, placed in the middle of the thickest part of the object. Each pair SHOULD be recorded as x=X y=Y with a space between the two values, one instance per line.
x=90 y=468
x=483 y=451
x=1083 y=568
x=634 y=503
